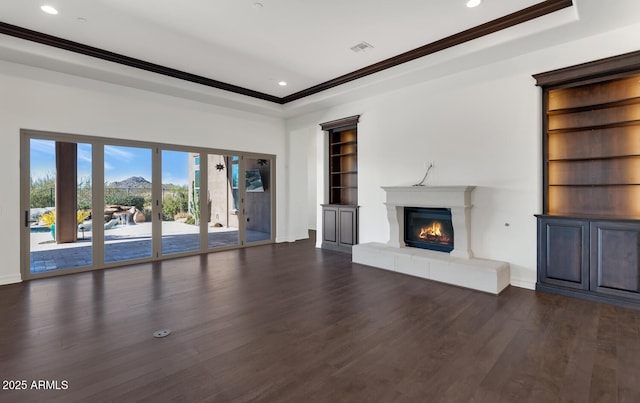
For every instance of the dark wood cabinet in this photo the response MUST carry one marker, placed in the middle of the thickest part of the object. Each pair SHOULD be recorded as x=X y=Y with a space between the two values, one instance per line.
x=563 y=252
x=340 y=215
x=615 y=261
x=589 y=232
x=591 y=258
x=340 y=227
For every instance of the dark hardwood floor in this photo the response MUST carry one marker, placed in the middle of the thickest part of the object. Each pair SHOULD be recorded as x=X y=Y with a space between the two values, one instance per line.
x=290 y=323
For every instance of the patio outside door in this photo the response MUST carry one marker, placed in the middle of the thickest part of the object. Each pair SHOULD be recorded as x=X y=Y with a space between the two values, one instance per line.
x=58 y=203
x=180 y=201
x=223 y=201
x=127 y=203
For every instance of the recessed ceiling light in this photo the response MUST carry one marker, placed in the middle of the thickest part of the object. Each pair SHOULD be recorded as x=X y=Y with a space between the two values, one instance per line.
x=49 y=10
x=473 y=3
x=282 y=83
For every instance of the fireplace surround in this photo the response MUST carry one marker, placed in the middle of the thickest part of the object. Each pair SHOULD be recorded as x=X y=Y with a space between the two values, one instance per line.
x=457 y=199
x=458 y=267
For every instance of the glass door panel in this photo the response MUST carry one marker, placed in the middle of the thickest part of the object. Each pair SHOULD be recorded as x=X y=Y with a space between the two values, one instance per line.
x=59 y=205
x=223 y=201
x=180 y=204
x=127 y=203
x=258 y=199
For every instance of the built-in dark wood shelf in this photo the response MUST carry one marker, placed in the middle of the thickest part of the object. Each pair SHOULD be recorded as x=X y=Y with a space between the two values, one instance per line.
x=599 y=217
x=612 y=157
x=342 y=143
x=344 y=154
x=592 y=107
x=592 y=185
x=589 y=232
x=625 y=123
x=580 y=128
x=342 y=136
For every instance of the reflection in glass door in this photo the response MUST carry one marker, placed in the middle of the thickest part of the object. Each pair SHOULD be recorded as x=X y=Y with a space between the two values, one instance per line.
x=258 y=199
x=223 y=203
x=127 y=203
x=180 y=202
x=59 y=205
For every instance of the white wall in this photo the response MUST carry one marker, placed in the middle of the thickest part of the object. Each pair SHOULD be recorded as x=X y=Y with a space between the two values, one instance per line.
x=43 y=100
x=312 y=182
x=481 y=127
x=300 y=195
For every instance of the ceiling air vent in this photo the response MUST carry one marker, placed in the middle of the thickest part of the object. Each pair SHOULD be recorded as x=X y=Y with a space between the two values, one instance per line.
x=361 y=47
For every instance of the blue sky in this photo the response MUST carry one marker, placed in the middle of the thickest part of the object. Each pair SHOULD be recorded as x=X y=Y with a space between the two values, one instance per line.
x=119 y=163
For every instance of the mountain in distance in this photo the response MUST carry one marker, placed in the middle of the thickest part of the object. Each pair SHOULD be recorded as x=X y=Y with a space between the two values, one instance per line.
x=132 y=182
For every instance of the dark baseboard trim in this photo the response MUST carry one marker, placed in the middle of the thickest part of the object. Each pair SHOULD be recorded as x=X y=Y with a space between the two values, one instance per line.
x=589 y=296
x=337 y=248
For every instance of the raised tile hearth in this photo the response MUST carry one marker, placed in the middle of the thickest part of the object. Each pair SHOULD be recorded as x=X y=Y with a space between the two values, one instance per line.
x=459 y=267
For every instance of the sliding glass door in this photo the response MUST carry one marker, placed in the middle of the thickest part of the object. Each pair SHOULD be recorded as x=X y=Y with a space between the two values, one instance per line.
x=127 y=196
x=58 y=204
x=180 y=202
x=258 y=188
x=150 y=201
x=223 y=201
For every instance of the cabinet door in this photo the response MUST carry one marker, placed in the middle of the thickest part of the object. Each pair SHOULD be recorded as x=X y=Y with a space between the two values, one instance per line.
x=330 y=225
x=615 y=260
x=564 y=252
x=348 y=225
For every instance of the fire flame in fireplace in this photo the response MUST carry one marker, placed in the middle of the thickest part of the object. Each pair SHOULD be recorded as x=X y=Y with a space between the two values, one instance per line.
x=435 y=229
x=434 y=232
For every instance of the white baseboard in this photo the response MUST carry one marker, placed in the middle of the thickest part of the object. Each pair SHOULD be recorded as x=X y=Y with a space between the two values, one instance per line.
x=302 y=235
x=523 y=283
x=10 y=279
x=295 y=237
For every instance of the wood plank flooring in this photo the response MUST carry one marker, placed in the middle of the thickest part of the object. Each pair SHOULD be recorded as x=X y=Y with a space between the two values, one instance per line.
x=290 y=323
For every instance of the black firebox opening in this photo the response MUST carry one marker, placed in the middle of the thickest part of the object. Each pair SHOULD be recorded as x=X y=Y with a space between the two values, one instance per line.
x=428 y=228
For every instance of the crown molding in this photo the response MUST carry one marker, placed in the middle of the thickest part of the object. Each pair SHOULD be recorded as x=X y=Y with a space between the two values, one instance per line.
x=343 y=123
x=510 y=20
x=519 y=17
x=595 y=70
x=65 y=44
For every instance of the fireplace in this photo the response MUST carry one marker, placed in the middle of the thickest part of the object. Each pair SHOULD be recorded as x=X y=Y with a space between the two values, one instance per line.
x=457 y=267
x=428 y=228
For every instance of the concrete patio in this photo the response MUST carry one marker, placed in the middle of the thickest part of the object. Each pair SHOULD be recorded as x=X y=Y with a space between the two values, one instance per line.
x=127 y=242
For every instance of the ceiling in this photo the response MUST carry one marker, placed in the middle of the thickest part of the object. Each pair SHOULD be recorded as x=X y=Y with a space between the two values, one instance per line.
x=252 y=45
x=304 y=43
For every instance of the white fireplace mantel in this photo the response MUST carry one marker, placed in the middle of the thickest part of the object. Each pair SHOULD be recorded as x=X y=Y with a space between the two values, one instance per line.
x=455 y=198
x=458 y=267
